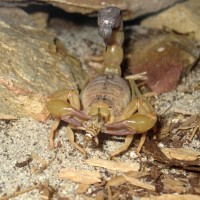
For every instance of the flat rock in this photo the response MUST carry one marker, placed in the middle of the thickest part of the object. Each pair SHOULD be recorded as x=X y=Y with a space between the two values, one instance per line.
x=32 y=65
x=183 y=18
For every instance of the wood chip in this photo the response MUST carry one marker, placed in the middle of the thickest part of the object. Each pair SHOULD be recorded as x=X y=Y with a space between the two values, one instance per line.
x=7 y=117
x=87 y=197
x=38 y=158
x=175 y=185
x=114 y=166
x=181 y=154
x=139 y=183
x=172 y=197
x=100 y=195
x=80 y=176
x=82 y=188
x=119 y=180
x=116 y=181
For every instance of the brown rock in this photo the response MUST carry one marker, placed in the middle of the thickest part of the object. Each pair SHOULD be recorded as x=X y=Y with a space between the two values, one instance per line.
x=184 y=18
x=164 y=56
x=31 y=65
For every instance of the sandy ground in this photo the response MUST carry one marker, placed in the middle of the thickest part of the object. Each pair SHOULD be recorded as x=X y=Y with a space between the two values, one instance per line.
x=22 y=138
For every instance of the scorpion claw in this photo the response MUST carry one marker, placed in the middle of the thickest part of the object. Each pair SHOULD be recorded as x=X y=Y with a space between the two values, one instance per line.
x=71 y=121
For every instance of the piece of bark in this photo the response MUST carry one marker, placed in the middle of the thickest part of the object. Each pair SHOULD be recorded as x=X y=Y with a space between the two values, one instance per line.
x=152 y=149
x=82 y=188
x=174 y=185
x=181 y=154
x=32 y=68
x=119 y=180
x=172 y=197
x=139 y=183
x=7 y=117
x=114 y=166
x=80 y=176
x=166 y=57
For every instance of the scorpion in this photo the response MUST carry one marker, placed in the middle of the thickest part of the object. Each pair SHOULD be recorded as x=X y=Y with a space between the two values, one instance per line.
x=108 y=103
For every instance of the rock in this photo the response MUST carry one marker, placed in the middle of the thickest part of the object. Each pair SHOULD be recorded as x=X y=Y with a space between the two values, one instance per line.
x=131 y=8
x=183 y=18
x=32 y=66
x=164 y=56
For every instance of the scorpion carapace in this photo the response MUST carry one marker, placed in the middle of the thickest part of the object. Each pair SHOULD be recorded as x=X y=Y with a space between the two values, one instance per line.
x=108 y=103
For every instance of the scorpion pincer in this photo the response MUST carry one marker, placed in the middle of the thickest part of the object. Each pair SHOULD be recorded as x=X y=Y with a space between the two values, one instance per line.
x=108 y=103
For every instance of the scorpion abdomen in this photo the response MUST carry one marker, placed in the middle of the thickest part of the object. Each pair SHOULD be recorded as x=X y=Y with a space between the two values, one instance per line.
x=111 y=89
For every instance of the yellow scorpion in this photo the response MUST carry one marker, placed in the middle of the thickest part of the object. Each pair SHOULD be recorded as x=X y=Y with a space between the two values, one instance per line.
x=108 y=103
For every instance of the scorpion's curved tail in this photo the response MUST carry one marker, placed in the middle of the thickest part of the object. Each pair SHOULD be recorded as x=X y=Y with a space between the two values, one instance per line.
x=111 y=30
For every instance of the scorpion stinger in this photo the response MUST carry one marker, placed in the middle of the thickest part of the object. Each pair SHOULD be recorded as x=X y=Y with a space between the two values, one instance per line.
x=108 y=103
x=109 y=19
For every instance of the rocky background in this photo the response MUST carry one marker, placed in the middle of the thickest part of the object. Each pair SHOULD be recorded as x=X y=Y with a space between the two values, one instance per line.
x=50 y=45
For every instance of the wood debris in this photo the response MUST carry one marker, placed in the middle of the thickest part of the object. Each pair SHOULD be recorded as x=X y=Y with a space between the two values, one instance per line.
x=152 y=149
x=24 y=163
x=181 y=154
x=44 y=164
x=80 y=176
x=178 y=186
x=82 y=188
x=119 y=180
x=172 y=197
x=7 y=117
x=192 y=123
x=100 y=196
x=139 y=183
x=45 y=189
x=114 y=166
x=116 y=181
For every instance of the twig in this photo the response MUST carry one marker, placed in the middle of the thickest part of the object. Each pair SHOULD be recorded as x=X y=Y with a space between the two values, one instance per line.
x=20 y=192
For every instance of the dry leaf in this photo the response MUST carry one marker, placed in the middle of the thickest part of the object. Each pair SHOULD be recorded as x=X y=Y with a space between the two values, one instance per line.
x=112 y=165
x=80 y=176
x=139 y=183
x=181 y=154
x=172 y=197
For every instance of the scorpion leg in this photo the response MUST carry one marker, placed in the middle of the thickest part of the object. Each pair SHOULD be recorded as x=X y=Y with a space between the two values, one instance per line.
x=63 y=105
x=140 y=145
x=137 y=117
x=70 y=135
x=53 y=132
x=128 y=140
